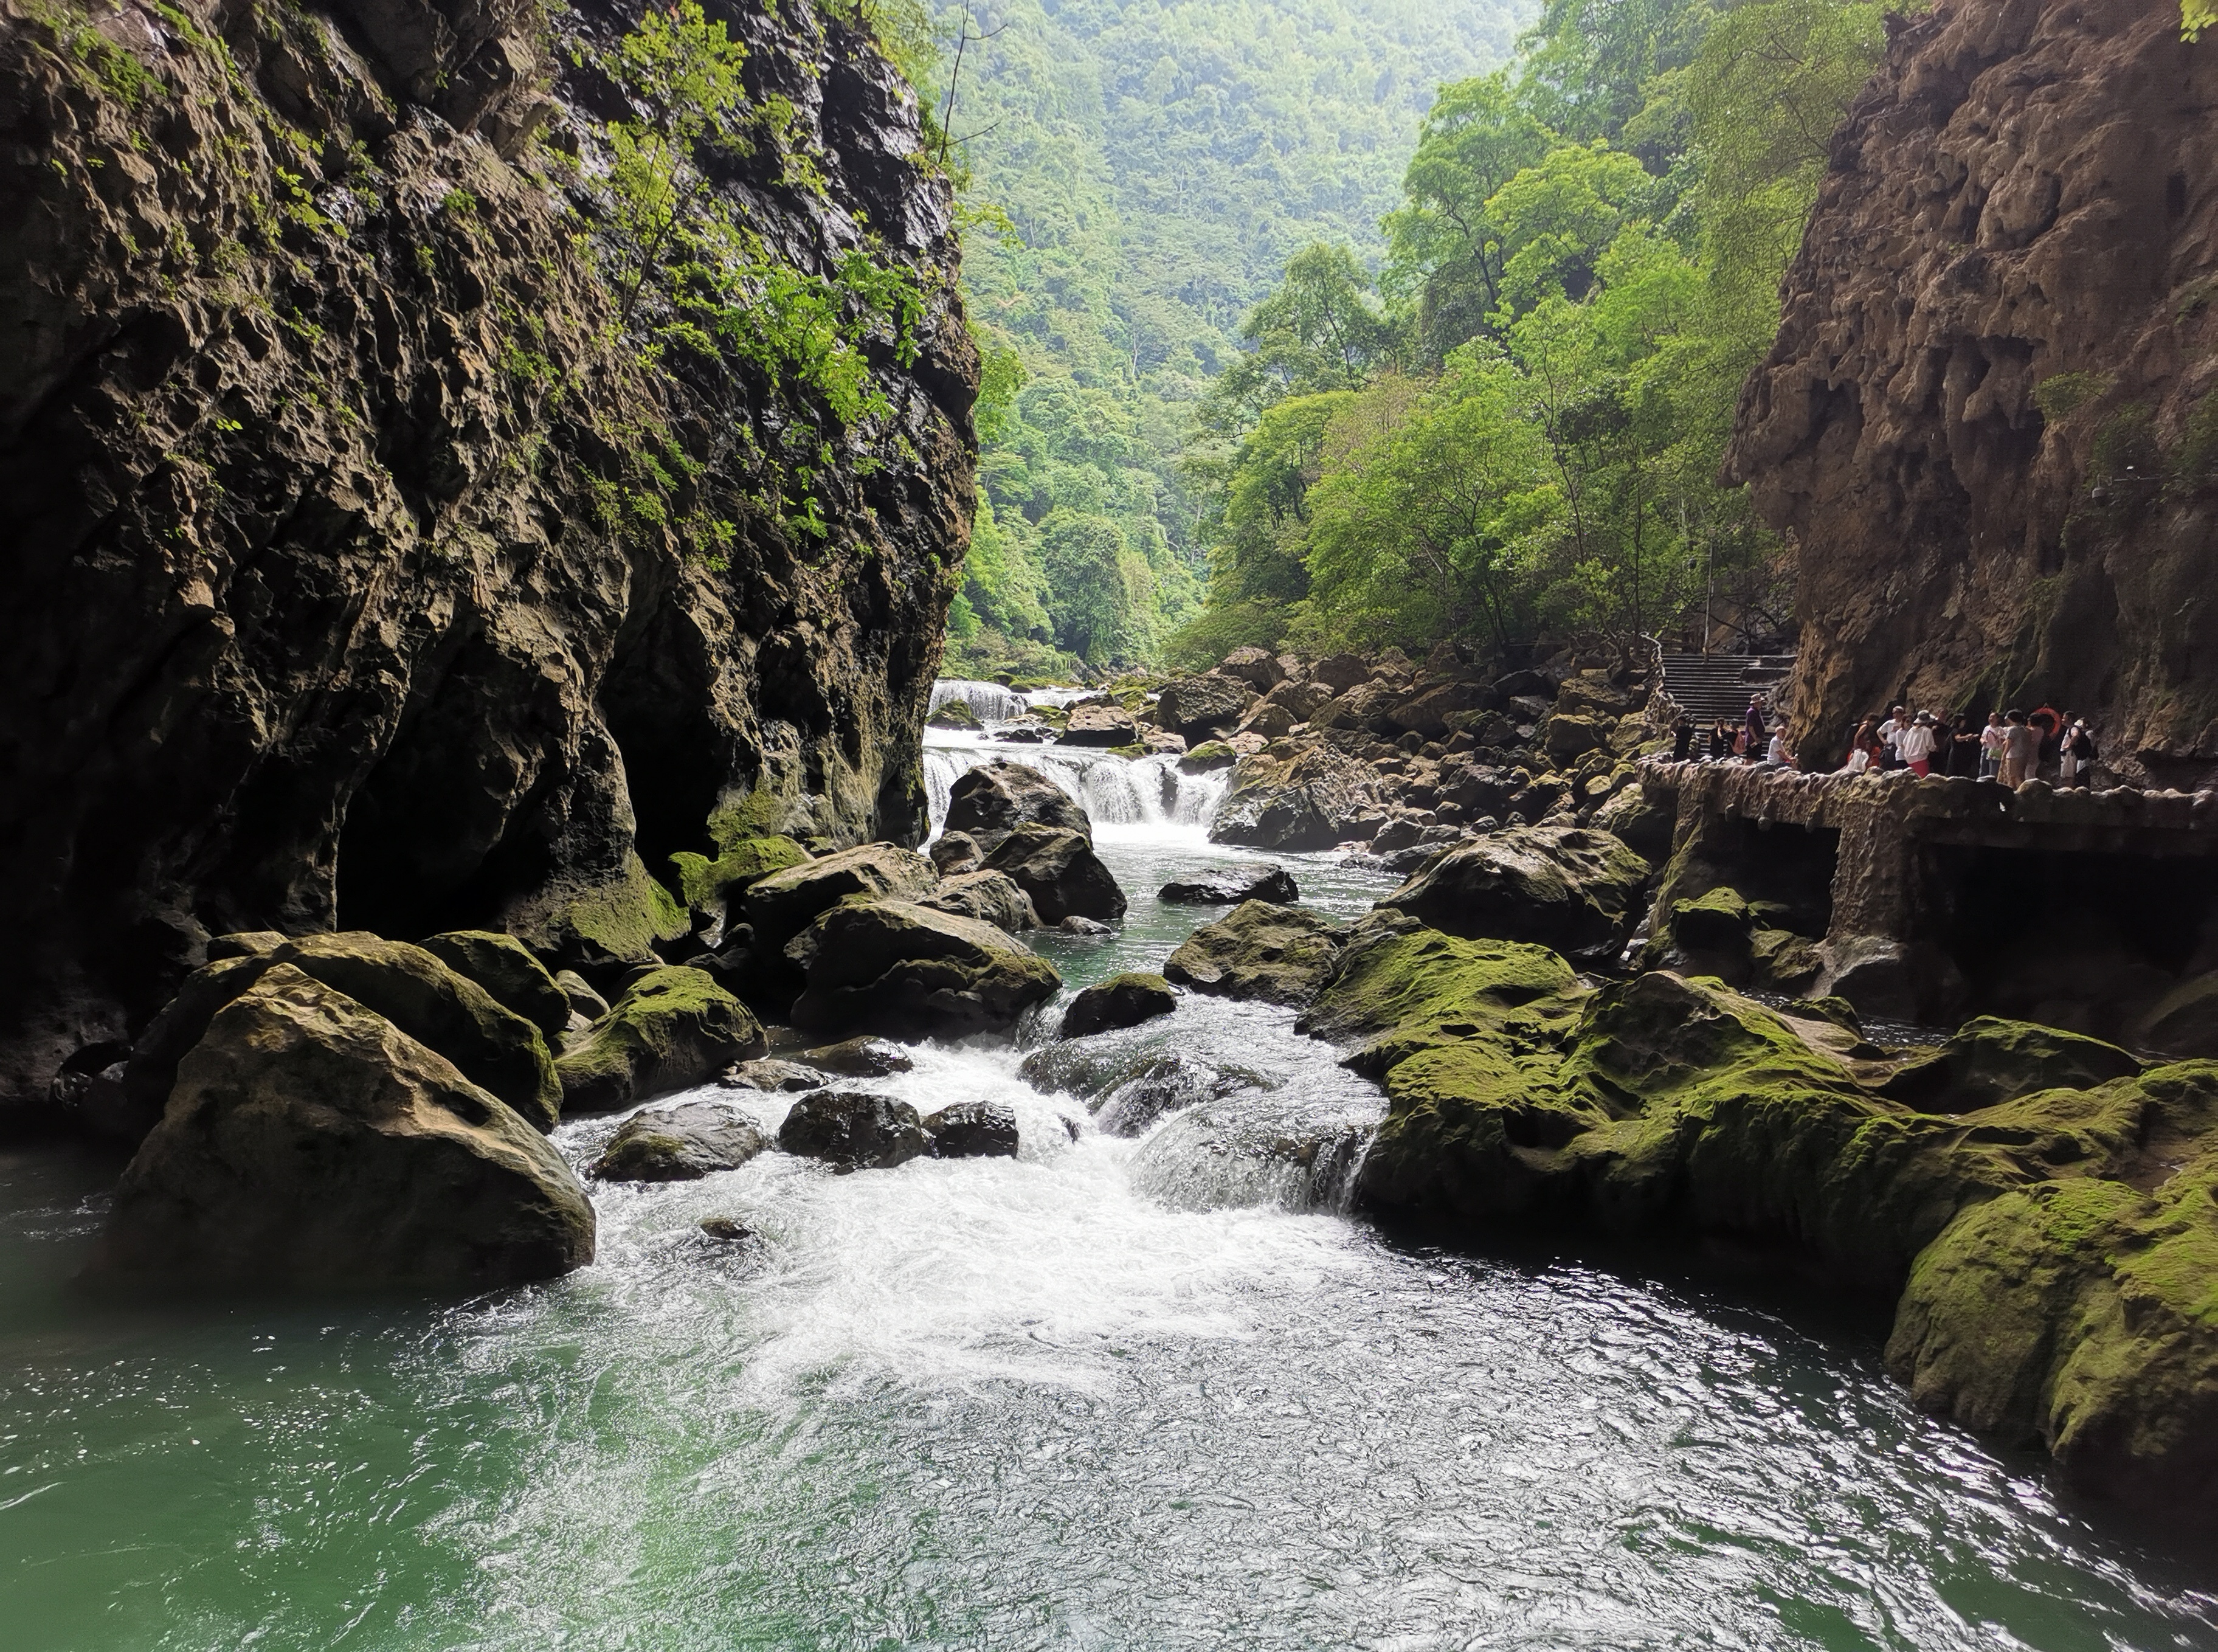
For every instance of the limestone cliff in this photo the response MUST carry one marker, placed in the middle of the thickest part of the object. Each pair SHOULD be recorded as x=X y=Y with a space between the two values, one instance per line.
x=1986 y=419
x=362 y=569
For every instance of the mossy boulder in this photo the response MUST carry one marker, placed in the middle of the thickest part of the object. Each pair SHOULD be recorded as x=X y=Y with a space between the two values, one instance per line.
x=1057 y=868
x=991 y=897
x=1569 y=889
x=504 y=966
x=781 y=906
x=709 y=885
x=597 y=925
x=905 y=971
x=956 y=713
x=1780 y=960
x=1206 y=756
x=1991 y=1060
x=1717 y=921
x=1121 y=1001
x=2184 y=1021
x=309 y=1141
x=1278 y=955
x=672 y=1029
x=679 y=1144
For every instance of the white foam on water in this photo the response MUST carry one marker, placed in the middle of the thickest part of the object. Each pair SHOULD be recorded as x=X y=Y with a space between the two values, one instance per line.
x=1143 y=796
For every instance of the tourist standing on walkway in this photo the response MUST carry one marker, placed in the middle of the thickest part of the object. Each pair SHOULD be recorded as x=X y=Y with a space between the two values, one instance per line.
x=1890 y=737
x=1960 y=745
x=1916 y=744
x=1682 y=739
x=2076 y=759
x=1861 y=745
x=1754 y=724
x=1992 y=738
x=2020 y=750
x=1721 y=740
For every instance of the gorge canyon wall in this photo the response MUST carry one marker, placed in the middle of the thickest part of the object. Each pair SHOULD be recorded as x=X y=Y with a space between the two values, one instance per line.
x=360 y=573
x=1986 y=420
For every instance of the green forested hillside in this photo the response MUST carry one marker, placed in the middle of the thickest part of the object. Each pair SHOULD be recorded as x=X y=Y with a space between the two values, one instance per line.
x=1159 y=164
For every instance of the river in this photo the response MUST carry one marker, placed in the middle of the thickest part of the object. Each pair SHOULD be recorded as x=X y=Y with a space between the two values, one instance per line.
x=1126 y=1391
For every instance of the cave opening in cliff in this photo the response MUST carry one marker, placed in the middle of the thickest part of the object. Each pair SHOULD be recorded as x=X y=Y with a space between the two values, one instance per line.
x=655 y=700
x=1788 y=870
x=2085 y=940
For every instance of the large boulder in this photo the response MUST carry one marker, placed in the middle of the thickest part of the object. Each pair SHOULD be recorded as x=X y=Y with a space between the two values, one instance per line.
x=1200 y=708
x=711 y=885
x=991 y=897
x=309 y=1141
x=995 y=799
x=679 y=1144
x=2184 y=1021
x=672 y=1029
x=1428 y=713
x=1279 y=954
x=906 y=971
x=1257 y=667
x=1309 y=800
x=504 y=967
x=973 y=1129
x=854 y=1129
x=1100 y=722
x=1302 y=700
x=492 y=1046
x=782 y=905
x=1123 y=1000
x=860 y=1058
x=1989 y=1060
x=1644 y=823
x=1576 y=890
x=1058 y=868
x=1231 y=886
x=1341 y=672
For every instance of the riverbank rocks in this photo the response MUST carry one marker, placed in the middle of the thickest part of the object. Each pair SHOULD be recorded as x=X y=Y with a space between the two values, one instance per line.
x=781 y=906
x=310 y=1141
x=1203 y=708
x=991 y=897
x=1123 y=1000
x=504 y=966
x=670 y=1030
x=955 y=852
x=956 y=713
x=1057 y=868
x=1308 y=800
x=1278 y=955
x=1099 y=723
x=1574 y=890
x=1232 y=885
x=679 y=1144
x=1207 y=758
x=973 y=1129
x=995 y=799
x=859 y=1058
x=1988 y=1060
x=773 y=1076
x=711 y=885
x=854 y=1129
x=906 y=971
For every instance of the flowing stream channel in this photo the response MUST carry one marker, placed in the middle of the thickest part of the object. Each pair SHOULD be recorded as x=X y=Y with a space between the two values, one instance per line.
x=1145 y=1386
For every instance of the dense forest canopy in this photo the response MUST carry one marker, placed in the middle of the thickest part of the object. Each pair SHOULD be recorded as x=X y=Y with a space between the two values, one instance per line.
x=1308 y=324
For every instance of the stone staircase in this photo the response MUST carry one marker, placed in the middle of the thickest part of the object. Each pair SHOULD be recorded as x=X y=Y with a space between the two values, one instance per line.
x=1709 y=686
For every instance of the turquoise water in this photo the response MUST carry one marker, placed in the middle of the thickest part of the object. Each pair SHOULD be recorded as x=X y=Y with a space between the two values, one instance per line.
x=1118 y=1393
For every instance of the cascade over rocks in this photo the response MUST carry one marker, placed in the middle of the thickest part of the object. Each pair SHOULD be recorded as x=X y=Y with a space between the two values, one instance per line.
x=340 y=593
x=311 y=1142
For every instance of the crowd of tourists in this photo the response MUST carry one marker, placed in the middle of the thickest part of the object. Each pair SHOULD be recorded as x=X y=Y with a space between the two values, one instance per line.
x=2008 y=747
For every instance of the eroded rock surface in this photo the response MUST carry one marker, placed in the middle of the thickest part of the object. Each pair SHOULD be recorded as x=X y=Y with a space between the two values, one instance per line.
x=906 y=971
x=671 y=1030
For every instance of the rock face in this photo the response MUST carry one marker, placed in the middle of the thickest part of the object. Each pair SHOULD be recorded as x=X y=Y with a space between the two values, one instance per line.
x=346 y=586
x=854 y=1129
x=1281 y=955
x=1123 y=1000
x=679 y=1144
x=1058 y=868
x=908 y=972
x=310 y=1141
x=995 y=799
x=671 y=1030
x=1983 y=418
x=1308 y=800
x=1562 y=886
x=504 y=966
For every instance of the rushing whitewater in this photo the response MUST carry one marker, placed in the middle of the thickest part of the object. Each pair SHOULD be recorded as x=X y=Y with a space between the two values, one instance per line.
x=1146 y=1385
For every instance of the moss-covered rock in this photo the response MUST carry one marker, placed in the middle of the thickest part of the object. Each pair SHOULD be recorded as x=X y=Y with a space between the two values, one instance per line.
x=906 y=971
x=1057 y=868
x=781 y=906
x=1780 y=960
x=1991 y=1060
x=310 y=1141
x=1123 y=1000
x=709 y=885
x=1717 y=921
x=679 y=1144
x=991 y=897
x=504 y=966
x=1567 y=888
x=1279 y=954
x=1208 y=756
x=672 y=1029
x=592 y=925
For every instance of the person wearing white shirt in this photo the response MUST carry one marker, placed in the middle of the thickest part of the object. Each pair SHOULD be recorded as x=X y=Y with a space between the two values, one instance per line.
x=1889 y=735
x=1916 y=743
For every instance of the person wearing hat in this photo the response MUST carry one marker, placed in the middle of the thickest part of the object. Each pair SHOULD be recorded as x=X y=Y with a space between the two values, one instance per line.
x=1916 y=742
x=2077 y=756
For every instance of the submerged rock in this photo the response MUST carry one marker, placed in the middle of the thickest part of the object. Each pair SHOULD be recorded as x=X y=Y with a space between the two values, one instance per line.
x=973 y=1129
x=311 y=1142
x=995 y=799
x=679 y=1144
x=1281 y=955
x=1123 y=1000
x=728 y=1230
x=1232 y=885
x=1058 y=870
x=854 y=1129
x=1574 y=890
x=773 y=1076
x=859 y=1058
x=672 y=1029
x=908 y=972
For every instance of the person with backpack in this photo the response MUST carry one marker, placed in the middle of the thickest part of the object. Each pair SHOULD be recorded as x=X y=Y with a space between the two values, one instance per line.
x=2078 y=759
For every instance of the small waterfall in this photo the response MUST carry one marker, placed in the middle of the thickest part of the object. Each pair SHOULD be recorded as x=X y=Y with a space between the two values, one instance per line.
x=1114 y=791
x=993 y=702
